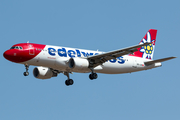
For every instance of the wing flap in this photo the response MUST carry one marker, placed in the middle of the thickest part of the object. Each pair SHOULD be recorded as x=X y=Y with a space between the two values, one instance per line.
x=159 y=60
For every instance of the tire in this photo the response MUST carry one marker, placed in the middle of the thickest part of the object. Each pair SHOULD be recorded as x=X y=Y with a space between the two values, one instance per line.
x=26 y=73
x=90 y=77
x=69 y=82
x=94 y=75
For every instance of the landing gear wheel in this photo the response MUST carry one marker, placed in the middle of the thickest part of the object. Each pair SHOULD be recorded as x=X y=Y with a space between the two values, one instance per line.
x=26 y=73
x=90 y=76
x=69 y=82
x=93 y=76
x=27 y=68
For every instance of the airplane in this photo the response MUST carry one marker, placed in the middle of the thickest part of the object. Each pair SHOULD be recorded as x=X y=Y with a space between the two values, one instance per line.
x=52 y=60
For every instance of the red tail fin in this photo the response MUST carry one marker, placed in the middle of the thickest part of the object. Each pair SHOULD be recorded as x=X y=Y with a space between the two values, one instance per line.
x=147 y=51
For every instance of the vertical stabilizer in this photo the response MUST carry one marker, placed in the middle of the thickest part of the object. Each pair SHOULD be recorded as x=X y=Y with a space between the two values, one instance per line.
x=147 y=51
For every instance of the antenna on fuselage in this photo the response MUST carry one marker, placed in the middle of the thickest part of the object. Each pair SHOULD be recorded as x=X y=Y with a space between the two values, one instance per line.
x=27 y=41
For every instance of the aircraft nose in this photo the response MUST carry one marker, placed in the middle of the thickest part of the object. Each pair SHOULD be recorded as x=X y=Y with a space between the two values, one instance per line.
x=9 y=55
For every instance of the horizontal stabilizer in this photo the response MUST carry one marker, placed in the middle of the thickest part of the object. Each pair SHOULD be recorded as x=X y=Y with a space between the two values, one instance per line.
x=159 y=60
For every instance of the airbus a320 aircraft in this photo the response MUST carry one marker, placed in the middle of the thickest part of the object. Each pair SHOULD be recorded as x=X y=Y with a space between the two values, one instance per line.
x=53 y=60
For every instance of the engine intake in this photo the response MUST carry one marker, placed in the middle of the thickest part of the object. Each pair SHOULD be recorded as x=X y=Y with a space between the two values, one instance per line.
x=42 y=73
x=78 y=64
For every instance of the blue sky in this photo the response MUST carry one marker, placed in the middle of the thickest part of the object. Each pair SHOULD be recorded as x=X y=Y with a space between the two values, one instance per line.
x=96 y=24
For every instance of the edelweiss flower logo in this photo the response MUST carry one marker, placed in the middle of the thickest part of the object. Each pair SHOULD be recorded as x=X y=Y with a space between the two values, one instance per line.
x=148 y=49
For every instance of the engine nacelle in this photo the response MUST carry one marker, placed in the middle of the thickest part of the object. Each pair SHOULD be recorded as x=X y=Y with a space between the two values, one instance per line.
x=42 y=73
x=78 y=64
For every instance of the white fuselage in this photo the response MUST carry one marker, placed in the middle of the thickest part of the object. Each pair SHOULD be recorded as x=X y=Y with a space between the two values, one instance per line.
x=57 y=58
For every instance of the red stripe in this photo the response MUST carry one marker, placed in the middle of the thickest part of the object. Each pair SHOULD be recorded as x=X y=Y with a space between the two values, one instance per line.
x=29 y=51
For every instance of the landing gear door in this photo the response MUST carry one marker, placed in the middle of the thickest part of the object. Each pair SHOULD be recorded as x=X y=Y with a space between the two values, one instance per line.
x=31 y=49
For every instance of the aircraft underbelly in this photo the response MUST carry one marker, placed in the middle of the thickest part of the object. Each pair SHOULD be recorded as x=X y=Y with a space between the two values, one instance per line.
x=115 y=68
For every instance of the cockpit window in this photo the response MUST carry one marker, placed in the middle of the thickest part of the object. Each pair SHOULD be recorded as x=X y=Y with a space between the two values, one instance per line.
x=12 y=47
x=17 y=47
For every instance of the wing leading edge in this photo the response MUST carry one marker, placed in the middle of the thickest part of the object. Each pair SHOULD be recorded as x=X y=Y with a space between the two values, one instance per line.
x=102 y=58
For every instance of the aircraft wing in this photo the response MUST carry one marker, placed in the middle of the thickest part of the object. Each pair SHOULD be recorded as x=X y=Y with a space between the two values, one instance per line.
x=159 y=60
x=102 y=58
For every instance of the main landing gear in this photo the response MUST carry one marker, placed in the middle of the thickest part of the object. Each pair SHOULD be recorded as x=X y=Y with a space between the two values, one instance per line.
x=27 y=68
x=93 y=75
x=68 y=81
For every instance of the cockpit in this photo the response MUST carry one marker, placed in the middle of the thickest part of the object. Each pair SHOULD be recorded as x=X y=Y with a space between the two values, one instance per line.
x=17 y=47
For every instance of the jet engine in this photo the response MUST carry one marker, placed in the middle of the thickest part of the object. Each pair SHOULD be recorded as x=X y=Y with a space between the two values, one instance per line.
x=78 y=64
x=43 y=73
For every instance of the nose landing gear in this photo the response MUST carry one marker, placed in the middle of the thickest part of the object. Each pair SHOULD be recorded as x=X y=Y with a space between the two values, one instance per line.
x=27 y=68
